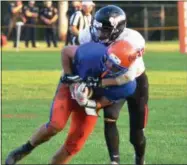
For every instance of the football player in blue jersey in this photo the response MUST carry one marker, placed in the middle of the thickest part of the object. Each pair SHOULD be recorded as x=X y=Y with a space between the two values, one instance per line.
x=76 y=97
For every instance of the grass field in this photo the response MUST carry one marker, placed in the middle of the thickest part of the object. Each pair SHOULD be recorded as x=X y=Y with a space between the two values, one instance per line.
x=29 y=80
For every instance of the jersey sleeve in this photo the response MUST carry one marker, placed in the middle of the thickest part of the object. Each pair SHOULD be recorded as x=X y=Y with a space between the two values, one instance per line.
x=139 y=41
x=84 y=36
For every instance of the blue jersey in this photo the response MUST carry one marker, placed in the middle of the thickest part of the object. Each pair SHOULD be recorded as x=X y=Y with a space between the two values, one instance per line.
x=89 y=62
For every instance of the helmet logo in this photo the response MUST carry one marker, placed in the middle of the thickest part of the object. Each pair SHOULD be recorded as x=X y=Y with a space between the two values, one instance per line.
x=115 y=59
x=114 y=21
x=97 y=24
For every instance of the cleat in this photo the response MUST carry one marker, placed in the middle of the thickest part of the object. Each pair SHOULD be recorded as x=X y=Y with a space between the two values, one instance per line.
x=16 y=155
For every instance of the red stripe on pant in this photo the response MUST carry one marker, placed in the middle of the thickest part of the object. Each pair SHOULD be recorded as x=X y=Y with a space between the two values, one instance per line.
x=146 y=115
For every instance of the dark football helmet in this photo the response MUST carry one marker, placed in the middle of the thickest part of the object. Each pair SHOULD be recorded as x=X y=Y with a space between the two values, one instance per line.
x=107 y=24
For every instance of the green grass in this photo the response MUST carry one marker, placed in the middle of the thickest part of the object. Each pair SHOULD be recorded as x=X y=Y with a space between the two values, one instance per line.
x=29 y=80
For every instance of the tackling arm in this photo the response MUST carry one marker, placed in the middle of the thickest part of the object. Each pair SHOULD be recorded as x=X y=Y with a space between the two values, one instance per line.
x=130 y=75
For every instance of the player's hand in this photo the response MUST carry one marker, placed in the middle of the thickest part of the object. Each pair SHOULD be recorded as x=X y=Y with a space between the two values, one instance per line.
x=80 y=93
x=70 y=79
x=93 y=82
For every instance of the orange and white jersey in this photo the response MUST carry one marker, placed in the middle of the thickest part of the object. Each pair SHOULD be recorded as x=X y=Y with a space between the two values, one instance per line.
x=133 y=37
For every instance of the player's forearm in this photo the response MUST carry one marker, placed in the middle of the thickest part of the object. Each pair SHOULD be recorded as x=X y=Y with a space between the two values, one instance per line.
x=109 y=82
x=130 y=75
x=120 y=80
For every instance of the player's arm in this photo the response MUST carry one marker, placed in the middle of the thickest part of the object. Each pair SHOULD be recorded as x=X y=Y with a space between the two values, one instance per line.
x=130 y=75
x=80 y=92
x=67 y=56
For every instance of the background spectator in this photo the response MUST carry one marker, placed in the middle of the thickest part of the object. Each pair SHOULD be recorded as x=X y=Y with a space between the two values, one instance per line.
x=15 y=9
x=74 y=6
x=87 y=8
x=80 y=20
x=76 y=24
x=49 y=16
x=31 y=15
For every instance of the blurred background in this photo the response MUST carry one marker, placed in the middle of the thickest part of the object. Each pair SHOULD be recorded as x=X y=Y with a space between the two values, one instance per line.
x=155 y=20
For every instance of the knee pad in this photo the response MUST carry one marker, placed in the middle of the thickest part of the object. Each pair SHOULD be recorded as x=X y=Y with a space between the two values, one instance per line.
x=137 y=137
x=109 y=120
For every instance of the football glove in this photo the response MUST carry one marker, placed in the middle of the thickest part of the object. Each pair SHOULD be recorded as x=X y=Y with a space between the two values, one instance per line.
x=81 y=93
x=70 y=79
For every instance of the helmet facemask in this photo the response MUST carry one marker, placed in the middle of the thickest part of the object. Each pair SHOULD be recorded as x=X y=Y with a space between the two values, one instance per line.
x=106 y=34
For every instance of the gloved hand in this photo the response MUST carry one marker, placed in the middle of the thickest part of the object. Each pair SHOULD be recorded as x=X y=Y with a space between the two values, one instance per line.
x=81 y=93
x=93 y=82
x=70 y=79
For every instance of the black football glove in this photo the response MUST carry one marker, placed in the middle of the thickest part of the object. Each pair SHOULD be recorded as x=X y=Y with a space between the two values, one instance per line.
x=70 y=79
x=93 y=82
